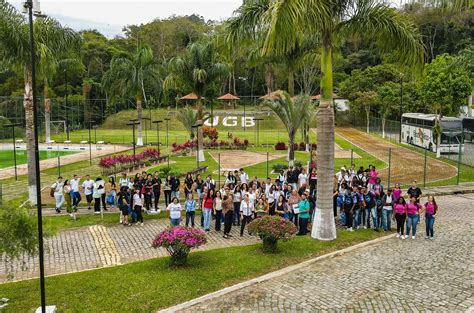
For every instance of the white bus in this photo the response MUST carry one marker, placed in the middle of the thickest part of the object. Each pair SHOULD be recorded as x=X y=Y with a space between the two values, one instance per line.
x=417 y=130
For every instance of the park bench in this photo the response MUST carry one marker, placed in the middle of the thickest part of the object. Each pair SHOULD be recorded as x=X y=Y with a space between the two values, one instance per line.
x=50 y=144
x=198 y=170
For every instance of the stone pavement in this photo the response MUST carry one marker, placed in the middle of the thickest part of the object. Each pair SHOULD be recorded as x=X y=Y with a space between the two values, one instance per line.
x=393 y=275
x=100 y=246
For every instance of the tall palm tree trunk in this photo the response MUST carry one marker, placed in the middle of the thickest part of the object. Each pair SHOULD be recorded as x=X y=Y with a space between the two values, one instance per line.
x=47 y=114
x=140 y=121
x=291 y=148
x=269 y=77
x=200 y=134
x=30 y=135
x=324 y=227
x=291 y=81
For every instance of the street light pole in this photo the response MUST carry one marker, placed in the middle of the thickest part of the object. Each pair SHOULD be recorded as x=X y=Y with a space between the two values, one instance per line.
x=29 y=6
x=12 y=126
x=66 y=107
x=157 y=122
x=133 y=123
x=90 y=143
x=167 y=119
x=258 y=129
x=197 y=143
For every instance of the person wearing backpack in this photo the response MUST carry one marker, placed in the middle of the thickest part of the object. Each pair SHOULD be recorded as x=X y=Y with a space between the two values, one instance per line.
x=348 y=205
x=57 y=193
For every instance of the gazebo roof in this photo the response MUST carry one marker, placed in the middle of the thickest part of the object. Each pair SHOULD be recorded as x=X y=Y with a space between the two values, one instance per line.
x=228 y=96
x=190 y=96
x=271 y=96
x=317 y=97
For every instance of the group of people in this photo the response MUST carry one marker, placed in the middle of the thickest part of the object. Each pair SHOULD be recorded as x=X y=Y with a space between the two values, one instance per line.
x=362 y=201
x=359 y=199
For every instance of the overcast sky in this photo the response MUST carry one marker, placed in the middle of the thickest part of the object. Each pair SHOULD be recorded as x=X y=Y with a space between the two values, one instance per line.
x=109 y=16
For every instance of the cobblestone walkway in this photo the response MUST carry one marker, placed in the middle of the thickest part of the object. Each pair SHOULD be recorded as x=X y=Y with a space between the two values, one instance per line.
x=394 y=275
x=99 y=246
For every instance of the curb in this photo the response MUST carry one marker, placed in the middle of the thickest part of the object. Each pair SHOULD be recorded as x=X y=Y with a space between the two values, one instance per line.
x=266 y=277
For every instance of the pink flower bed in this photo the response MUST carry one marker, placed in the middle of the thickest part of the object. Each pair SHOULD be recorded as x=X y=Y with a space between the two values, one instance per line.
x=211 y=144
x=121 y=160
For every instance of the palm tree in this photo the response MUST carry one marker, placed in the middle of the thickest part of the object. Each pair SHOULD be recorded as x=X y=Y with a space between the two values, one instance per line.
x=129 y=76
x=196 y=71
x=189 y=117
x=388 y=29
x=292 y=113
x=50 y=39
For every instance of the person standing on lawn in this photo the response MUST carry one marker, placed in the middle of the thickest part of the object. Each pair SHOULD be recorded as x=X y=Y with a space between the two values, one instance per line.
x=228 y=210
x=67 y=190
x=400 y=208
x=111 y=192
x=75 y=194
x=198 y=185
x=396 y=192
x=281 y=208
x=294 y=202
x=303 y=215
x=207 y=207
x=190 y=207
x=244 y=177
x=174 y=209
x=88 y=188
x=175 y=183
x=370 y=208
x=431 y=209
x=57 y=193
x=156 y=181
x=246 y=212
x=348 y=207
x=261 y=208
x=237 y=196
x=188 y=185
x=167 y=190
x=99 y=190
x=123 y=202
x=218 y=210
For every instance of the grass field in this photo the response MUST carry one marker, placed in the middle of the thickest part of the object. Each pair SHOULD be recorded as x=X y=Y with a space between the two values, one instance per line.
x=150 y=285
x=7 y=156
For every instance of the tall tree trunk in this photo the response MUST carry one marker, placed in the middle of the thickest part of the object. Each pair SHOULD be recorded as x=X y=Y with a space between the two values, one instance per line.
x=469 y=103
x=269 y=77
x=200 y=135
x=383 y=126
x=291 y=149
x=140 y=121
x=438 y=138
x=47 y=114
x=30 y=135
x=291 y=81
x=367 y=115
x=86 y=88
x=324 y=226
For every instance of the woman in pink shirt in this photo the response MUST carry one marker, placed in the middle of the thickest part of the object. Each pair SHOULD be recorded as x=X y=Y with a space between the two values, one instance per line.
x=400 y=208
x=373 y=174
x=431 y=208
x=413 y=217
x=396 y=192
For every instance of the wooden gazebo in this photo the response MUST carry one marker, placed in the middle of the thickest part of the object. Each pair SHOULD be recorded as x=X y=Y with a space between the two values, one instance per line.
x=229 y=98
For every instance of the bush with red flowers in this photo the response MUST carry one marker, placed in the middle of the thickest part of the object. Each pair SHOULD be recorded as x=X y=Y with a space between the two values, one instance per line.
x=210 y=132
x=280 y=146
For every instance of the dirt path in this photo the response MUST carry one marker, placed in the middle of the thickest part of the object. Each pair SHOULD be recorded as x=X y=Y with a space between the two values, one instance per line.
x=233 y=160
x=406 y=164
x=340 y=153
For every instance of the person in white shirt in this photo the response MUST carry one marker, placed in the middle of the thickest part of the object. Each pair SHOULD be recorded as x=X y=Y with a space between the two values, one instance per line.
x=57 y=191
x=268 y=184
x=88 y=187
x=302 y=178
x=75 y=194
x=98 y=194
x=244 y=177
x=175 y=211
x=246 y=212
x=137 y=206
x=124 y=181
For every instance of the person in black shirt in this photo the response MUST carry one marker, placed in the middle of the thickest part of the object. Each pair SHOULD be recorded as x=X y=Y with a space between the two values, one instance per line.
x=175 y=187
x=313 y=182
x=188 y=185
x=414 y=191
x=148 y=192
x=156 y=188
x=199 y=184
x=124 y=201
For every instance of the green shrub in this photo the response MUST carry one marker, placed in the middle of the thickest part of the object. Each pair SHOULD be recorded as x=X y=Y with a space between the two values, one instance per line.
x=277 y=168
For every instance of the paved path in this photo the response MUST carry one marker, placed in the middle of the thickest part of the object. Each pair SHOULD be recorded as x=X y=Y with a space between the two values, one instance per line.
x=22 y=169
x=100 y=246
x=391 y=276
x=406 y=164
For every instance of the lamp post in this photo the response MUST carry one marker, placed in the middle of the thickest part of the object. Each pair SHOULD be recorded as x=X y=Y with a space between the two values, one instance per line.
x=34 y=8
x=157 y=122
x=133 y=123
x=401 y=107
x=66 y=108
x=95 y=133
x=197 y=143
x=12 y=126
x=258 y=129
x=167 y=119
x=146 y=130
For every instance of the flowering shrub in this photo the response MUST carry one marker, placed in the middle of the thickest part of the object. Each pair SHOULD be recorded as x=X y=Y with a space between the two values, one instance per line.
x=271 y=229
x=179 y=241
x=210 y=132
x=280 y=146
x=211 y=144
x=125 y=161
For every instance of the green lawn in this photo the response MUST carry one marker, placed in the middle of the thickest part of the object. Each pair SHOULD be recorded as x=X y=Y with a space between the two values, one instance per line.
x=150 y=285
x=7 y=156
